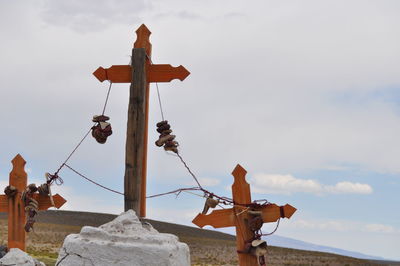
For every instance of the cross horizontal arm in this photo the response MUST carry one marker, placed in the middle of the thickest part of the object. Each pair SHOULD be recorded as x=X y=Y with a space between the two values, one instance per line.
x=272 y=212
x=44 y=202
x=156 y=73
x=217 y=219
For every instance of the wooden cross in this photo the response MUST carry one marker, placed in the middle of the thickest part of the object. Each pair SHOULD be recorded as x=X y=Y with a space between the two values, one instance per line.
x=140 y=74
x=16 y=208
x=239 y=216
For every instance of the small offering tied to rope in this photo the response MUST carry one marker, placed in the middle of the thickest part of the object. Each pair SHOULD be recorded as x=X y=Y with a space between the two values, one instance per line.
x=31 y=204
x=166 y=140
x=102 y=130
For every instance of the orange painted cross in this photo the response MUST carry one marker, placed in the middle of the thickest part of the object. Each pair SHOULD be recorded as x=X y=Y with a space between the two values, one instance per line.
x=16 y=208
x=239 y=216
x=140 y=74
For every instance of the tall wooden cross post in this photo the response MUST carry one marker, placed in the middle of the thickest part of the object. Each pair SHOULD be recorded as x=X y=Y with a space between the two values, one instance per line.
x=239 y=215
x=140 y=74
x=16 y=208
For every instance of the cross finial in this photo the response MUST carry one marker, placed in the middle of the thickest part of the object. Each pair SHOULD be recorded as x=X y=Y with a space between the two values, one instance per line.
x=143 y=39
x=239 y=172
x=18 y=161
x=240 y=188
x=18 y=172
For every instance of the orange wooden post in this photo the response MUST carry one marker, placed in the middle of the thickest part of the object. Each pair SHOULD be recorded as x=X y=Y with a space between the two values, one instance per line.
x=16 y=208
x=239 y=217
x=125 y=74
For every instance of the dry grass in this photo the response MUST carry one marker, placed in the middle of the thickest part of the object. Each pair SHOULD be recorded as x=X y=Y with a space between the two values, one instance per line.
x=206 y=247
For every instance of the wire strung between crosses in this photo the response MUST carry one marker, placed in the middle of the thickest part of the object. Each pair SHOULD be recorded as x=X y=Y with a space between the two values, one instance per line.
x=31 y=205
x=168 y=142
x=84 y=137
x=101 y=130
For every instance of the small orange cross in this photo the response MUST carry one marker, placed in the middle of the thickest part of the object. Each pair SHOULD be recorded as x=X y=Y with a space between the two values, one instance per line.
x=239 y=217
x=16 y=208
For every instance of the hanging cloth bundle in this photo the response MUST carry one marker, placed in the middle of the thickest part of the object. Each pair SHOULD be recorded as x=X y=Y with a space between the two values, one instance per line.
x=31 y=206
x=210 y=203
x=102 y=130
x=10 y=191
x=166 y=139
x=257 y=248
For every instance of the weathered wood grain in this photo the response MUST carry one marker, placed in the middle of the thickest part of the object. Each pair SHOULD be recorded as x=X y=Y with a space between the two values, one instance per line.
x=134 y=150
x=149 y=73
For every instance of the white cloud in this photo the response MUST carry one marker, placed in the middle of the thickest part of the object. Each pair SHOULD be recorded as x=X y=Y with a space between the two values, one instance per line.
x=287 y=184
x=340 y=226
x=89 y=16
x=3 y=185
x=349 y=188
x=332 y=225
x=380 y=228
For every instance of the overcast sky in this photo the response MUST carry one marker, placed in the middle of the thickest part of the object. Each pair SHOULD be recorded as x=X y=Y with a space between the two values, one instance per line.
x=303 y=94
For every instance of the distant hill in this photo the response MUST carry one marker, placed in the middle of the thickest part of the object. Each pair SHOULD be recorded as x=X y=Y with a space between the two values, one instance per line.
x=207 y=247
x=74 y=218
x=280 y=241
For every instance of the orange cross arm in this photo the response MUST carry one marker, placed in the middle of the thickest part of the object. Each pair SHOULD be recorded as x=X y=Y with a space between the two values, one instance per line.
x=226 y=217
x=44 y=202
x=272 y=212
x=217 y=219
x=156 y=73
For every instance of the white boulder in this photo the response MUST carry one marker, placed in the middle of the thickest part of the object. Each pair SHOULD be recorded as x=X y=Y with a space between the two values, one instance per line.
x=17 y=257
x=125 y=241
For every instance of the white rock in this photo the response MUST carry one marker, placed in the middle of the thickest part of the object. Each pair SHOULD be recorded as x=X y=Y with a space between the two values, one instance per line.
x=19 y=258
x=123 y=242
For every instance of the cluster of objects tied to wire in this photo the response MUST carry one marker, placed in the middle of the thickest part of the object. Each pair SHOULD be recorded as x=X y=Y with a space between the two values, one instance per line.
x=100 y=131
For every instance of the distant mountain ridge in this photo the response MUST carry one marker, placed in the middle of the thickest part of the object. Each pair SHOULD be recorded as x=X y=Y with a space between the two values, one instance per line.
x=280 y=241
